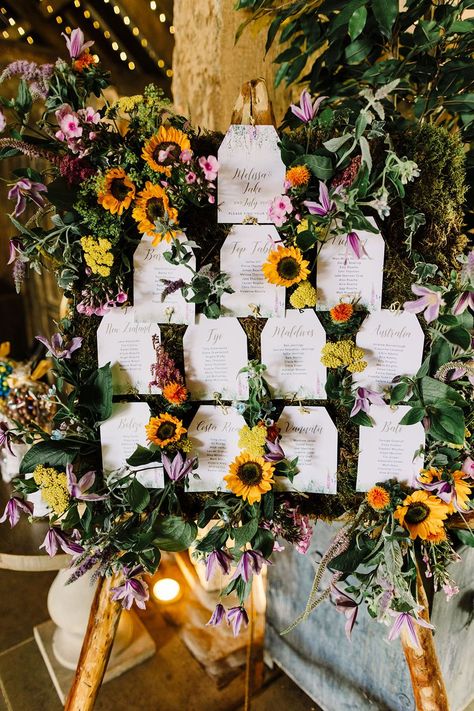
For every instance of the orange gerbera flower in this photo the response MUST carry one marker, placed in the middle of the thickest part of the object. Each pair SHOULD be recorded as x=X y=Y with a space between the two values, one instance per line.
x=164 y=429
x=341 y=313
x=175 y=393
x=298 y=175
x=378 y=498
x=118 y=191
x=164 y=148
x=154 y=214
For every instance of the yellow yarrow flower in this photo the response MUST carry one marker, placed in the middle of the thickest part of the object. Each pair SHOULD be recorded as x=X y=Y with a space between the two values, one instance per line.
x=252 y=440
x=53 y=485
x=97 y=255
x=304 y=296
x=126 y=104
x=344 y=354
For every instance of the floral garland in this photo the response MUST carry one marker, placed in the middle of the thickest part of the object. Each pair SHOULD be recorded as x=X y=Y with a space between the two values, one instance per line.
x=118 y=171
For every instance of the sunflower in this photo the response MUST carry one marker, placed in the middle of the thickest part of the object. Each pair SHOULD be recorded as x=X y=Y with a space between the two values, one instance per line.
x=462 y=489
x=378 y=498
x=164 y=429
x=249 y=477
x=165 y=147
x=153 y=213
x=285 y=266
x=175 y=393
x=118 y=191
x=422 y=514
x=438 y=537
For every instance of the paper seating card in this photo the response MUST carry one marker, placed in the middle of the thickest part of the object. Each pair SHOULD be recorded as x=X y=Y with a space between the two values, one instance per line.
x=291 y=350
x=242 y=256
x=149 y=268
x=393 y=341
x=120 y=435
x=341 y=276
x=309 y=434
x=127 y=345
x=387 y=450
x=251 y=173
x=214 y=352
x=214 y=434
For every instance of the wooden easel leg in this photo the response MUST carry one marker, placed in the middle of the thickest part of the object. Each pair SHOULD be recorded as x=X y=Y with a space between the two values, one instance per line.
x=103 y=620
x=425 y=672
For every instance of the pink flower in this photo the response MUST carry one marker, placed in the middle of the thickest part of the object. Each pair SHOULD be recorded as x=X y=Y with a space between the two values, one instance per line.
x=430 y=302
x=75 y=43
x=70 y=126
x=209 y=166
x=307 y=109
x=217 y=616
x=25 y=188
x=121 y=297
x=354 y=243
x=186 y=155
x=280 y=207
x=463 y=302
x=89 y=114
x=190 y=177
x=3 y=122
x=325 y=204
x=468 y=467
x=14 y=508
x=450 y=591
x=211 y=199
x=79 y=489
x=405 y=621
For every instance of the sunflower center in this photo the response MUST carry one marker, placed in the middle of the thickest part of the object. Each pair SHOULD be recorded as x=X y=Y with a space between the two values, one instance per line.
x=166 y=430
x=417 y=513
x=118 y=189
x=250 y=473
x=154 y=209
x=288 y=268
x=169 y=148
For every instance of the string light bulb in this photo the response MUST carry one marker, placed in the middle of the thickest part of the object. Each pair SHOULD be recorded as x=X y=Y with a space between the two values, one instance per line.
x=167 y=590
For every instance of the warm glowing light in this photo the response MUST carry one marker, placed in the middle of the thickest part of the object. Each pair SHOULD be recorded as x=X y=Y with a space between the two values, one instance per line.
x=29 y=39
x=114 y=46
x=59 y=19
x=172 y=30
x=11 y=21
x=169 y=72
x=107 y=34
x=135 y=31
x=162 y=17
x=131 y=65
x=87 y=14
x=123 y=56
x=5 y=34
x=95 y=57
x=161 y=63
x=68 y=30
x=126 y=20
x=21 y=31
x=153 y=5
x=77 y=3
x=96 y=24
x=49 y=8
x=144 y=42
x=116 y=10
x=166 y=590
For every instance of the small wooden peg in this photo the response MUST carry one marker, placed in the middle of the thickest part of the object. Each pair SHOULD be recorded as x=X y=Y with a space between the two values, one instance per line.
x=253 y=105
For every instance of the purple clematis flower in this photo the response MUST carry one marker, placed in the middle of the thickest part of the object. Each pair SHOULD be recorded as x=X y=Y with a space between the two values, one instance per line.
x=347 y=606
x=406 y=622
x=354 y=243
x=133 y=590
x=467 y=271
x=221 y=558
x=307 y=108
x=460 y=372
x=75 y=43
x=55 y=539
x=275 y=452
x=364 y=398
x=430 y=302
x=14 y=508
x=5 y=437
x=325 y=204
x=23 y=189
x=79 y=489
x=463 y=302
x=251 y=562
x=15 y=249
x=57 y=348
x=177 y=468
x=217 y=616
x=237 y=616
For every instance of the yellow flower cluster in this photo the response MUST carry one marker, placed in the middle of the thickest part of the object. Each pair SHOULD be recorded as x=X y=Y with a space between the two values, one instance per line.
x=97 y=255
x=304 y=296
x=344 y=354
x=53 y=485
x=126 y=104
x=252 y=440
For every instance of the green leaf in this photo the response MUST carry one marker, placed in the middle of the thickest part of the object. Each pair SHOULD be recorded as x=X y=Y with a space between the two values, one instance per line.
x=138 y=496
x=466 y=537
x=141 y=456
x=61 y=195
x=320 y=166
x=349 y=561
x=51 y=453
x=23 y=101
x=174 y=533
x=459 y=336
x=96 y=393
x=263 y=541
x=357 y=22
x=414 y=415
x=362 y=419
x=305 y=240
x=398 y=393
x=243 y=534
x=447 y=425
x=334 y=144
x=357 y=51
x=386 y=12
x=432 y=391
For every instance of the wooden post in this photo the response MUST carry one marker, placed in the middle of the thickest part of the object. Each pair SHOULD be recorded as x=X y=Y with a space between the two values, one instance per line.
x=429 y=690
x=103 y=620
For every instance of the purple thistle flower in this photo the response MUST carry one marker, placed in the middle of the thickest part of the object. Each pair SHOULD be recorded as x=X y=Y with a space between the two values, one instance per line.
x=364 y=398
x=275 y=452
x=217 y=616
x=237 y=616
x=79 y=489
x=251 y=562
x=55 y=539
x=5 y=437
x=25 y=188
x=307 y=108
x=325 y=204
x=354 y=243
x=406 y=622
x=221 y=558
x=75 y=43
x=430 y=302
x=177 y=468
x=463 y=302
x=347 y=606
x=57 y=348
x=133 y=590
x=13 y=510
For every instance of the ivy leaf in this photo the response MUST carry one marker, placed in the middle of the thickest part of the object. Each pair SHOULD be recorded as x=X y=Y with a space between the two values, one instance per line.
x=137 y=496
x=357 y=22
x=174 y=533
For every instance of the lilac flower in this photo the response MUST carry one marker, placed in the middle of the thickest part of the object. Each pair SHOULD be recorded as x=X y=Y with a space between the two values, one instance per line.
x=275 y=452
x=5 y=437
x=364 y=398
x=221 y=558
x=177 y=468
x=56 y=539
x=463 y=302
x=251 y=562
x=354 y=243
x=307 y=109
x=406 y=622
x=325 y=204
x=347 y=606
x=75 y=43
x=25 y=188
x=430 y=302
x=57 y=348
x=468 y=467
x=217 y=616
x=133 y=590
x=209 y=166
x=237 y=616
x=14 y=508
x=79 y=489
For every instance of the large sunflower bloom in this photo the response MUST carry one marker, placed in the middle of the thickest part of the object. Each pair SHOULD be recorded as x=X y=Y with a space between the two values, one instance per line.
x=285 y=266
x=118 y=191
x=249 y=477
x=422 y=515
x=164 y=429
x=153 y=213
x=164 y=148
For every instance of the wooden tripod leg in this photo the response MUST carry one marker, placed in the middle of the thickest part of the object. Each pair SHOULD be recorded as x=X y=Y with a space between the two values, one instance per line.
x=425 y=672
x=103 y=620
